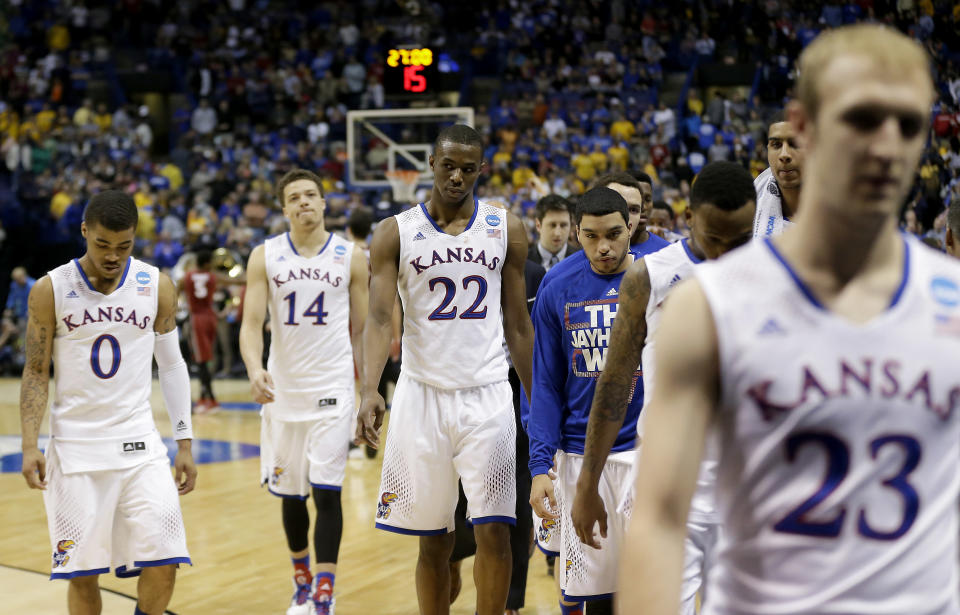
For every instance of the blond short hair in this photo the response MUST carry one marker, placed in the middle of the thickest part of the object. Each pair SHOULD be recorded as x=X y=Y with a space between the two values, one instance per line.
x=887 y=47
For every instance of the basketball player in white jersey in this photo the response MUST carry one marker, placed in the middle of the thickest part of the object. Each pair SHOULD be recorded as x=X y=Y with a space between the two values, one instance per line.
x=110 y=498
x=826 y=359
x=313 y=283
x=720 y=218
x=458 y=266
x=778 y=187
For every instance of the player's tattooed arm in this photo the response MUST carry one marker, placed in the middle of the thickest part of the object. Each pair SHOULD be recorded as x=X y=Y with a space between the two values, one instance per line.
x=517 y=327
x=166 y=306
x=41 y=327
x=620 y=375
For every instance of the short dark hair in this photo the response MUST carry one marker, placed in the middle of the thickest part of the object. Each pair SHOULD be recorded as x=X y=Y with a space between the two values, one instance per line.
x=113 y=210
x=360 y=222
x=665 y=207
x=459 y=133
x=776 y=118
x=642 y=177
x=725 y=185
x=616 y=177
x=552 y=202
x=601 y=201
x=296 y=175
x=953 y=218
x=204 y=256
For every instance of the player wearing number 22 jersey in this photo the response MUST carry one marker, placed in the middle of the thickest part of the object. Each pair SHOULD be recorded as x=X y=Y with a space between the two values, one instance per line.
x=457 y=264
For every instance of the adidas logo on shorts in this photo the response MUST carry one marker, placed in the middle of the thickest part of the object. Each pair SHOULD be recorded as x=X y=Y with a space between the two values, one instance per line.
x=419 y=236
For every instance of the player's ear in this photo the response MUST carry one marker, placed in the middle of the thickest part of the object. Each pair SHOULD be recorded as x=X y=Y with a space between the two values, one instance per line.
x=430 y=160
x=83 y=229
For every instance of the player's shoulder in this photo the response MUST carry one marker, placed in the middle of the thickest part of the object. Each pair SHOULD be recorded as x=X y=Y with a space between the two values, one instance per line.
x=564 y=272
x=933 y=263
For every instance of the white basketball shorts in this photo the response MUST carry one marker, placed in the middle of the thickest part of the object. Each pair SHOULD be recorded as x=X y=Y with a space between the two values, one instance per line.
x=437 y=435
x=298 y=455
x=587 y=573
x=122 y=519
x=698 y=550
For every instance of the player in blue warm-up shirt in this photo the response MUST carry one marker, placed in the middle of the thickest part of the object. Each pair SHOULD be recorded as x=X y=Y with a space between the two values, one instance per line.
x=573 y=317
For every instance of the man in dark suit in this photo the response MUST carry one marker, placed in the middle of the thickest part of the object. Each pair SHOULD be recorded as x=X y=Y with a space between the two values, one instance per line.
x=553 y=214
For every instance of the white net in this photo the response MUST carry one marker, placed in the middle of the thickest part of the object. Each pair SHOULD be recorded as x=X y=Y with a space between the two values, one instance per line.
x=403 y=183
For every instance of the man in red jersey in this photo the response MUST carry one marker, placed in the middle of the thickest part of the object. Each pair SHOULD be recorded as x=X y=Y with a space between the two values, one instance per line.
x=199 y=286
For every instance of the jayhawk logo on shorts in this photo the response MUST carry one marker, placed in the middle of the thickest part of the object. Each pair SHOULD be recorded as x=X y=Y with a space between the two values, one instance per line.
x=545 y=531
x=383 y=508
x=60 y=556
x=569 y=565
x=275 y=477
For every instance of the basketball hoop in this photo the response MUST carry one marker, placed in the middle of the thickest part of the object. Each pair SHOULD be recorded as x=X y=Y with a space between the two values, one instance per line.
x=403 y=182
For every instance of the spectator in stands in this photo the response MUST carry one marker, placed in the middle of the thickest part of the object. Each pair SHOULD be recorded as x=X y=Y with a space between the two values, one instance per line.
x=14 y=323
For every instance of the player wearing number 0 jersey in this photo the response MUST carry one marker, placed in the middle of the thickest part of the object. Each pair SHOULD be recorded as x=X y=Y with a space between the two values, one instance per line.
x=111 y=501
x=457 y=264
x=720 y=218
x=826 y=360
x=314 y=286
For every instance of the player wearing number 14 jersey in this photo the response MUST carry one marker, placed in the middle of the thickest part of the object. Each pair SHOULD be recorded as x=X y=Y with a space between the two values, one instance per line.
x=458 y=266
x=314 y=286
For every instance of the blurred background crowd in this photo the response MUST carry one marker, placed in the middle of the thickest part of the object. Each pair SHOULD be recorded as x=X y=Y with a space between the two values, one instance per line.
x=197 y=107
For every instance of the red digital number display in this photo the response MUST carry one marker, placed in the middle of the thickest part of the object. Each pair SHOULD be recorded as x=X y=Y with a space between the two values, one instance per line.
x=413 y=81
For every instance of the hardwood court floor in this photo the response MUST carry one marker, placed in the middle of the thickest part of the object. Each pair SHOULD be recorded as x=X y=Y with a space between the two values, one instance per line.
x=241 y=564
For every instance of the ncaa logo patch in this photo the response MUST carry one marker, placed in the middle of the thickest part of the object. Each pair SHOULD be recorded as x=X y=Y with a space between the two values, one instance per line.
x=773 y=188
x=340 y=250
x=143 y=278
x=493 y=220
x=945 y=291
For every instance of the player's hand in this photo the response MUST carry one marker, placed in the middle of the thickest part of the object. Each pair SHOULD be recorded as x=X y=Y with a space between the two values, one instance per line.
x=542 y=489
x=587 y=511
x=186 y=476
x=369 y=420
x=35 y=468
x=261 y=387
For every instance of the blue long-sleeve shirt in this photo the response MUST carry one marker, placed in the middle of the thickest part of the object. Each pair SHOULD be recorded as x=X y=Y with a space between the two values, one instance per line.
x=572 y=319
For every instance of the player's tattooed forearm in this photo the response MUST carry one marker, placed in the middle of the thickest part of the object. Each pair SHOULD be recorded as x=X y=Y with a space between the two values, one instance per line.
x=610 y=400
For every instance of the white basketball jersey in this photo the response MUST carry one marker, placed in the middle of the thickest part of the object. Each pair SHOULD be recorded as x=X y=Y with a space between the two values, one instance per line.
x=450 y=290
x=311 y=356
x=667 y=268
x=768 y=220
x=840 y=442
x=102 y=354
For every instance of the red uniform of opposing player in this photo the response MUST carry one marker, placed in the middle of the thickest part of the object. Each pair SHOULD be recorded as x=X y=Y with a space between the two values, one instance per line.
x=199 y=286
